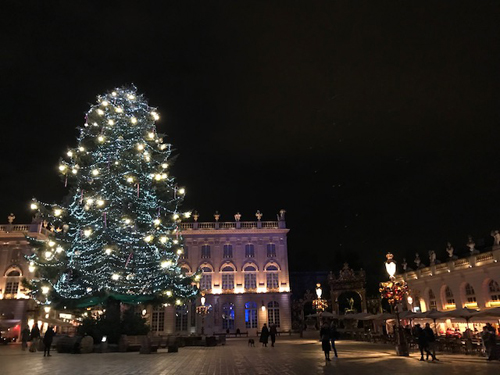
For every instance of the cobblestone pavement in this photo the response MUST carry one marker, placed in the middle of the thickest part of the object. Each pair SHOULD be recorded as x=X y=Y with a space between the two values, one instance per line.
x=290 y=356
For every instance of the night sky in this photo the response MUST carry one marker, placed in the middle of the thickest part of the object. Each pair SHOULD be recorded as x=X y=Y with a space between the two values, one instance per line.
x=375 y=124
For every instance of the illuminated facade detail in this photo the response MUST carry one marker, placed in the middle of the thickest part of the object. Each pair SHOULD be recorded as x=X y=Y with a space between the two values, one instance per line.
x=244 y=267
x=471 y=281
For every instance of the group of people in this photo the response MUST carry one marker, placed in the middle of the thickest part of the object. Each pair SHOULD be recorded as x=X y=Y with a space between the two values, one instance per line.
x=268 y=332
x=34 y=336
x=426 y=341
x=328 y=334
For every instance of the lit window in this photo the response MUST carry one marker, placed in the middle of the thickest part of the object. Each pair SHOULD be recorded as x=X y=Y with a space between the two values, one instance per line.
x=250 y=315
x=181 y=318
x=273 y=313
x=228 y=316
x=158 y=319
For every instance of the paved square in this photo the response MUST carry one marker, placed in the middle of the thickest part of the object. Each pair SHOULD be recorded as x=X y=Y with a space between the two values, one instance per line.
x=291 y=356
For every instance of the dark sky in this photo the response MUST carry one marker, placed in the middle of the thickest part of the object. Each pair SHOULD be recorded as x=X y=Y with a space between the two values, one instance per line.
x=375 y=124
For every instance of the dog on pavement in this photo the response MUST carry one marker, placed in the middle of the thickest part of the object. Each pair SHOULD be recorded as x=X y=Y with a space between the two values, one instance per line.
x=251 y=342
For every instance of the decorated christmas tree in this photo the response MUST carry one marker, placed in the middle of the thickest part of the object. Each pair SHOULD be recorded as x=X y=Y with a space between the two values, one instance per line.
x=117 y=232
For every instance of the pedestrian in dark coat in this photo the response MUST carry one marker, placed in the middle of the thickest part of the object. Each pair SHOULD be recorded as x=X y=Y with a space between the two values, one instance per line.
x=35 y=336
x=324 y=335
x=264 y=335
x=273 y=332
x=334 y=335
x=431 y=342
x=25 y=336
x=47 y=341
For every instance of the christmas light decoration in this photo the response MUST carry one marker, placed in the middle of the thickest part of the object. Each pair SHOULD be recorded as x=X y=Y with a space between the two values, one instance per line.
x=121 y=217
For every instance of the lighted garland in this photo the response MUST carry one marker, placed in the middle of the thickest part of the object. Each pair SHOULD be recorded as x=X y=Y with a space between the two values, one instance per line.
x=119 y=231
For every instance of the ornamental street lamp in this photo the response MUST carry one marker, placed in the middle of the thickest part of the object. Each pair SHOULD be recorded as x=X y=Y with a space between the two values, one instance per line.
x=319 y=304
x=394 y=292
x=203 y=310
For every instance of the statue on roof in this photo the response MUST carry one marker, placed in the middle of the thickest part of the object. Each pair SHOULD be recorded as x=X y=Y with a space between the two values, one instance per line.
x=496 y=237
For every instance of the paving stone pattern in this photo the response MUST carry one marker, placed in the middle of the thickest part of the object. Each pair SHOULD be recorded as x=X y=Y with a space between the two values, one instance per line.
x=290 y=356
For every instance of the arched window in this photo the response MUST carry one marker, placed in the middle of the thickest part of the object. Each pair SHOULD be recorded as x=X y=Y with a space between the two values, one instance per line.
x=12 y=284
x=272 y=277
x=181 y=318
x=206 y=278
x=273 y=313
x=250 y=315
x=432 y=300
x=450 y=300
x=470 y=294
x=228 y=316
x=250 y=277
x=494 y=290
x=227 y=277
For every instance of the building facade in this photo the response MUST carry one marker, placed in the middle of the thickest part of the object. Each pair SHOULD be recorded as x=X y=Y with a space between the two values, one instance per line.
x=472 y=281
x=245 y=278
x=16 y=309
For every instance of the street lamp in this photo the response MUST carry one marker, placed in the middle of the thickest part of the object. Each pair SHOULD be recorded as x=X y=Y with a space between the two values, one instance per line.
x=394 y=292
x=203 y=310
x=319 y=304
x=410 y=302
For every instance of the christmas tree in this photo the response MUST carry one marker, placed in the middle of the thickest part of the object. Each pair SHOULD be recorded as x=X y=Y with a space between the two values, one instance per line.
x=117 y=233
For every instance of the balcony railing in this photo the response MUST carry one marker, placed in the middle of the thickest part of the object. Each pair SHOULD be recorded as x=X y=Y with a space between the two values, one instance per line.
x=232 y=225
x=24 y=228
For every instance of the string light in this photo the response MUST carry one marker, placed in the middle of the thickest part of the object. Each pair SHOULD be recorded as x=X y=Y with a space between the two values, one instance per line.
x=87 y=232
x=133 y=120
x=95 y=172
x=57 y=212
x=100 y=138
x=155 y=115
x=69 y=153
x=33 y=206
x=100 y=112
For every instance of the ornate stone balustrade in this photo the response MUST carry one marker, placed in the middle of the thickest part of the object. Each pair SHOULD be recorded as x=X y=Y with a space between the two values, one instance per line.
x=451 y=265
x=232 y=225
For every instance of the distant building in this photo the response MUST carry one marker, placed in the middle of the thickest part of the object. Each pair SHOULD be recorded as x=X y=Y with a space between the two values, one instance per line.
x=244 y=268
x=16 y=309
x=472 y=281
x=245 y=277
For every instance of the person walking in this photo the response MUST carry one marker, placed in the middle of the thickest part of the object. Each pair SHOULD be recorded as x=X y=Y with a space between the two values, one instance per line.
x=334 y=335
x=324 y=335
x=431 y=342
x=25 y=336
x=264 y=335
x=273 y=332
x=47 y=341
x=35 y=336
x=423 y=343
